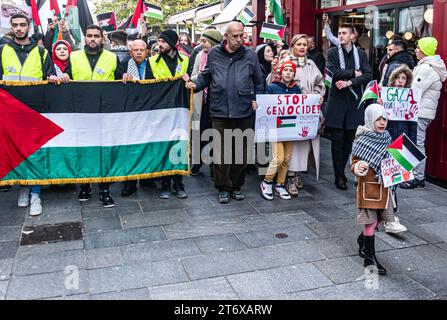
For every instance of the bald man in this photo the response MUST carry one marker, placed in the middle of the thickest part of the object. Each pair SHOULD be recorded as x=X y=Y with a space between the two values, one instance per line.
x=137 y=69
x=234 y=78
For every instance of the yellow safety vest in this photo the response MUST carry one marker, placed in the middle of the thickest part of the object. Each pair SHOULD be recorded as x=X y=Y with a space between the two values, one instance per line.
x=104 y=69
x=31 y=70
x=160 y=69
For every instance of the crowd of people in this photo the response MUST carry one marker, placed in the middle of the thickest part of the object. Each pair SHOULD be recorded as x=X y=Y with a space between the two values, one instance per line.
x=226 y=75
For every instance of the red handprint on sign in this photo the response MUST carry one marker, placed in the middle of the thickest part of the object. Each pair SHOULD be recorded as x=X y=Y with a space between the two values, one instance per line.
x=304 y=132
x=410 y=113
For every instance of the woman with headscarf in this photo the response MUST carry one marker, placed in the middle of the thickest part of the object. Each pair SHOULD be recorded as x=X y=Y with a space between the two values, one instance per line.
x=265 y=56
x=311 y=81
x=60 y=54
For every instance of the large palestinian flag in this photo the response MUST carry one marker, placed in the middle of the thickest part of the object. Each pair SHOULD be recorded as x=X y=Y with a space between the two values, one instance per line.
x=93 y=132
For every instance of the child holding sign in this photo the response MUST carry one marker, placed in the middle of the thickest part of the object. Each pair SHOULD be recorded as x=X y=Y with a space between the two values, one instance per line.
x=281 y=150
x=374 y=201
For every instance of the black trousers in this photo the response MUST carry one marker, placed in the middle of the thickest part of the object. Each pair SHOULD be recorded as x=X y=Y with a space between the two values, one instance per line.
x=177 y=179
x=341 y=147
x=102 y=186
x=229 y=175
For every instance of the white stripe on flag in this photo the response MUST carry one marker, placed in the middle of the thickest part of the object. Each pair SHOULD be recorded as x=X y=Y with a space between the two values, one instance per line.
x=123 y=128
x=409 y=156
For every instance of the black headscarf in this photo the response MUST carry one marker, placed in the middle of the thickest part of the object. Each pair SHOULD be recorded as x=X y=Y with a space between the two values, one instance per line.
x=266 y=67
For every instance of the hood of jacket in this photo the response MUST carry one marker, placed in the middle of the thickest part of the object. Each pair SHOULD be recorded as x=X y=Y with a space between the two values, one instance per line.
x=24 y=48
x=402 y=57
x=437 y=64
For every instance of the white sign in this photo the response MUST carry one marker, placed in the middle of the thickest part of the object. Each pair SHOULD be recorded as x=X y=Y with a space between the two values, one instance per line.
x=401 y=104
x=393 y=173
x=287 y=117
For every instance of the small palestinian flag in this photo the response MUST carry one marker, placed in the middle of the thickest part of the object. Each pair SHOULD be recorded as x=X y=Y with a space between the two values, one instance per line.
x=246 y=16
x=272 y=31
x=405 y=152
x=153 y=11
x=286 y=122
x=107 y=21
x=328 y=77
x=371 y=92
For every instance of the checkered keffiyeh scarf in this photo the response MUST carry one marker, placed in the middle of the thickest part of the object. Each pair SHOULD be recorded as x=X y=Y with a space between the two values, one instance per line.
x=370 y=146
x=341 y=57
x=132 y=69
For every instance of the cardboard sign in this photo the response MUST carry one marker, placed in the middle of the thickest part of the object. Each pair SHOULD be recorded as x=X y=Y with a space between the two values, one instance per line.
x=287 y=117
x=393 y=173
x=401 y=104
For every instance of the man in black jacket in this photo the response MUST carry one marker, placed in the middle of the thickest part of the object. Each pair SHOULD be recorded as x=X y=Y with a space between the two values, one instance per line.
x=343 y=114
x=234 y=78
x=118 y=41
x=398 y=56
x=315 y=54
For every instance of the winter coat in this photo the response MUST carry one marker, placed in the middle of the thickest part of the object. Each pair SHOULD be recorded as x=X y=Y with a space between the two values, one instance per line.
x=278 y=87
x=198 y=97
x=370 y=193
x=233 y=81
x=428 y=76
x=342 y=107
x=397 y=60
x=316 y=55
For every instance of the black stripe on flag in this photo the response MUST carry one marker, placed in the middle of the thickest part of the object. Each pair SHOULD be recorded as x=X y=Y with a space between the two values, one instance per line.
x=249 y=12
x=272 y=26
x=153 y=6
x=411 y=147
x=287 y=117
x=102 y=97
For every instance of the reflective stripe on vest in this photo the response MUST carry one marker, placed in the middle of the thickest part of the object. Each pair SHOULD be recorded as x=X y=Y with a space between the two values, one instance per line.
x=104 y=69
x=160 y=70
x=31 y=70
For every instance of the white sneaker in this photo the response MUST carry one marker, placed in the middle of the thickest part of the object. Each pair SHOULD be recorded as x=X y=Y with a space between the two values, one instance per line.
x=266 y=190
x=23 y=200
x=394 y=227
x=36 y=207
x=281 y=192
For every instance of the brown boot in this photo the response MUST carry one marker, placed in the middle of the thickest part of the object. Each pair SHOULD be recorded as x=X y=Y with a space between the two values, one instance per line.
x=291 y=186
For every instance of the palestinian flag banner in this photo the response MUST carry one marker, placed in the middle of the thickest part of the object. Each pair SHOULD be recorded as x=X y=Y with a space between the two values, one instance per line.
x=328 y=76
x=371 y=92
x=405 y=152
x=246 y=16
x=93 y=131
x=272 y=31
x=107 y=21
x=286 y=122
x=152 y=11
x=275 y=9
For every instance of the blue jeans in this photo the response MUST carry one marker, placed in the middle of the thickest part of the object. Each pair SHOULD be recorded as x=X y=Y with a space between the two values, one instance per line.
x=35 y=189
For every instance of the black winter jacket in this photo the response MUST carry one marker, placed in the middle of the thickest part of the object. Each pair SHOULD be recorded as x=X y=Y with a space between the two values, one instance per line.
x=400 y=58
x=233 y=81
x=342 y=108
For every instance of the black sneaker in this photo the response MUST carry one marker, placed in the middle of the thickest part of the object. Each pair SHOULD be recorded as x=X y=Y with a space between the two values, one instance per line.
x=179 y=190
x=85 y=194
x=106 y=200
x=129 y=190
x=224 y=197
x=148 y=183
x=414 y=184
x=195 y=170
x=165 y=191
x=5 y=188
x=237 y=195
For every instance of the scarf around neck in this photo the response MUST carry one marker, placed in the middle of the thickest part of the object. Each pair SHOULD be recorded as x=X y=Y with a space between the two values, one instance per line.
x=133 y=70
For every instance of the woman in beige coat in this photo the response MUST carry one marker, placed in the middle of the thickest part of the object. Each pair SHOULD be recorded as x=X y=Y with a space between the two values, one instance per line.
x=311 y=81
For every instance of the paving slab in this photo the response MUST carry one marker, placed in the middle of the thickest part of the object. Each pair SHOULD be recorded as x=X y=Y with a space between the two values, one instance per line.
x=103 y=257
x=8 y=249
x=434 y=279
x=154 y=218
x=5 y=268
x=218 y=243
x=207 y=289
x=133 y=294
x=341 y=270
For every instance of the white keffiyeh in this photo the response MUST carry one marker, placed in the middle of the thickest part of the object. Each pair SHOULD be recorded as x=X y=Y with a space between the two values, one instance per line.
x=133 y=70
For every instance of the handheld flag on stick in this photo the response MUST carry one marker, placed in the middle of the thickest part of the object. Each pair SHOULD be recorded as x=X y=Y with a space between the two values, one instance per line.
x=246 y=16
x=107 y=21
x=371 y=92
x=275 y=9
x=272 y=31
x=35 y=13
x=152 y=11
x=404 y=151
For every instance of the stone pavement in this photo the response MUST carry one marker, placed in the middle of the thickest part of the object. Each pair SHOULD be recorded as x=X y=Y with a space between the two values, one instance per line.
x=149 y=248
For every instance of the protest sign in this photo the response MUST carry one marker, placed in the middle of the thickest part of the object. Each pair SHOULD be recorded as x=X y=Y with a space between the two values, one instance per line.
x=393 y=173
x=287 y=117
x=401 y=104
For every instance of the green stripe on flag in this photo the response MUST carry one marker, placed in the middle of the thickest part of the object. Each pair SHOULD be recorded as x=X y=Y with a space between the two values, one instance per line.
x=271 y=36
x=96 y=162
x=401 y=159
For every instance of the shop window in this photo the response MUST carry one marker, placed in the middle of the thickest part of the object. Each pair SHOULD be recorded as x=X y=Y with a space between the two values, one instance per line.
x=383 y=30
x=356 y=1
x=415 y=22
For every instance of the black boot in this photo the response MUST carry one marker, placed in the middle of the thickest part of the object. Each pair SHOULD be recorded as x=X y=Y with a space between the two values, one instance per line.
x=370 y=255
x=361 y=242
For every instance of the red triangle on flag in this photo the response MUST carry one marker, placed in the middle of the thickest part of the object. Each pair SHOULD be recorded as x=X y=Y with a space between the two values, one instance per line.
x=398 y=143
x=282 y=32
x=278 y=122
x=23 y=131
x=375 y=88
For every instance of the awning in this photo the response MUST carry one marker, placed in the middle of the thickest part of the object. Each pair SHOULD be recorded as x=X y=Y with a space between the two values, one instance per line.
x=231 y=11
x=208 y=12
